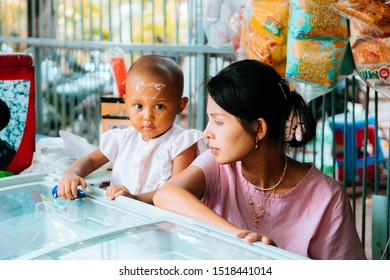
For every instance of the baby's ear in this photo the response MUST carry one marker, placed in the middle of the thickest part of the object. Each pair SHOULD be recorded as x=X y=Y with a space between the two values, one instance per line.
x=182 y=104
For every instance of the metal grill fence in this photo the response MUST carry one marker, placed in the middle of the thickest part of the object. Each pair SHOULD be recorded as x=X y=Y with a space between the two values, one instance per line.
x=70 y=41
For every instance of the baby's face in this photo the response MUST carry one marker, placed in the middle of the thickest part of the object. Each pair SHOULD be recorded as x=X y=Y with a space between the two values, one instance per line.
x=151 y=104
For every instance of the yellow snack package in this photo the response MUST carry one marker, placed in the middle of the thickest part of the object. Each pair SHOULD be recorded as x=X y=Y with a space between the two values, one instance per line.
x=264 y=32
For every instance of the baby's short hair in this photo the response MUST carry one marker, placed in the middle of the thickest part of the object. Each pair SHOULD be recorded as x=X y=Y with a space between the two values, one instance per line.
x=163 y=66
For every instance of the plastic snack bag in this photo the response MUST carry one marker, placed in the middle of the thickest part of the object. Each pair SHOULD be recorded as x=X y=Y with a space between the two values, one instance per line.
x=315 y=62
x=371 y=54
x=369 y=40
x=119 y=69
x=314 y=18
x=317 y=40
x=375 y=13
x=264 y=32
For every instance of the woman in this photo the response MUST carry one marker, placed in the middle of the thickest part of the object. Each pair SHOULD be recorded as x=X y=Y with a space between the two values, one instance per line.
x=247 y=184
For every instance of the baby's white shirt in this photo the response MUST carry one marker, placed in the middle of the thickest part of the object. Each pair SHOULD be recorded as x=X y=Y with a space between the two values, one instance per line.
x=143 y=166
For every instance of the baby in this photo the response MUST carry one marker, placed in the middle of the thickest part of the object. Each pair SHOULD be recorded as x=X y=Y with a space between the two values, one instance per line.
x=154 y=148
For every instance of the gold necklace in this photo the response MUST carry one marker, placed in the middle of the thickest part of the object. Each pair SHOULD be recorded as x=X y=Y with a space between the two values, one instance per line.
x=257 y=216
x=280 y=179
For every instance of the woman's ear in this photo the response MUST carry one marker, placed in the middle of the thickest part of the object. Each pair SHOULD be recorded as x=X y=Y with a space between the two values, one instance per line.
x=261 y=128
x=182 y=104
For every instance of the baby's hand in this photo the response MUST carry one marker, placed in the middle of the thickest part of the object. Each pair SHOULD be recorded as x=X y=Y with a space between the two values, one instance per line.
x=250 y=237
x=68 y=185
x=115 y=191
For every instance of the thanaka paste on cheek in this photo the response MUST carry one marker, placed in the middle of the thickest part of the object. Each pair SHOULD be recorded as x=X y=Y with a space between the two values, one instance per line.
x=217 y=132
x=220 y=131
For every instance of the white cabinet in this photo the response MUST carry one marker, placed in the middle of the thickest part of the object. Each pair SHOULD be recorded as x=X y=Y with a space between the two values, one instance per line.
x=35 y=225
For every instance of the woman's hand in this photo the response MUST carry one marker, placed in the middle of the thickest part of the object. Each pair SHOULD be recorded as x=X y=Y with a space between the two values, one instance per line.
x=250 y=237
x=117 y=190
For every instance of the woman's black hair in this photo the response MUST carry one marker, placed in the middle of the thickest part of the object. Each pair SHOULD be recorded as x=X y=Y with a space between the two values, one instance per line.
x=250 y=89
x=5 y=114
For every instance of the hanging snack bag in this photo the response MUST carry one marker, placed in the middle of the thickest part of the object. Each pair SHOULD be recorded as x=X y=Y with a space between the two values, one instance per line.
x=317 y=62
x=314 y=18
x=371 y=54
x=317 y=40
x=369 y=40
x=375 y=13
x=117 y=58
x=264 y=32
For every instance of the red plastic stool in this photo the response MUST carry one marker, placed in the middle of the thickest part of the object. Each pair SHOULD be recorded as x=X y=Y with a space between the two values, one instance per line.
x=355 y=151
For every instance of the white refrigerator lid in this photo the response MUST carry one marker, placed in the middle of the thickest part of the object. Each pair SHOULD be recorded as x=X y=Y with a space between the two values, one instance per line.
x=35 y=225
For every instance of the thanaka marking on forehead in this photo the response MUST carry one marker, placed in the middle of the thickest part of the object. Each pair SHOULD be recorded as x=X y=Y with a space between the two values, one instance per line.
x=153 y=87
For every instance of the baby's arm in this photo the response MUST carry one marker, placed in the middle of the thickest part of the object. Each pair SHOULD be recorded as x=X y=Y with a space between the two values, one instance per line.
x=117 y=190
x=74 y=175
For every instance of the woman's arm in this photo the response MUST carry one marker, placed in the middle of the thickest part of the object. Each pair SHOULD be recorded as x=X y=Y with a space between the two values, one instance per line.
x=182 y=193
x=184 y=159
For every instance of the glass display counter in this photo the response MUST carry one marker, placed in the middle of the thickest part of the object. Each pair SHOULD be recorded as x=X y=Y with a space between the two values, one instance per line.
x=35 y=225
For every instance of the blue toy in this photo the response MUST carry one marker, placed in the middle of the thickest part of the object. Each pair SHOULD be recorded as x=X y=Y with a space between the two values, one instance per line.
x=80 y=193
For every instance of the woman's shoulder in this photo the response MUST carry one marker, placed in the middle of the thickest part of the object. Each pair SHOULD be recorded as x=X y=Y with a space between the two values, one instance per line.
x=306 y=177
x=206 y=156
x=319 y=175
x=317 y=181
x=207 y=161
